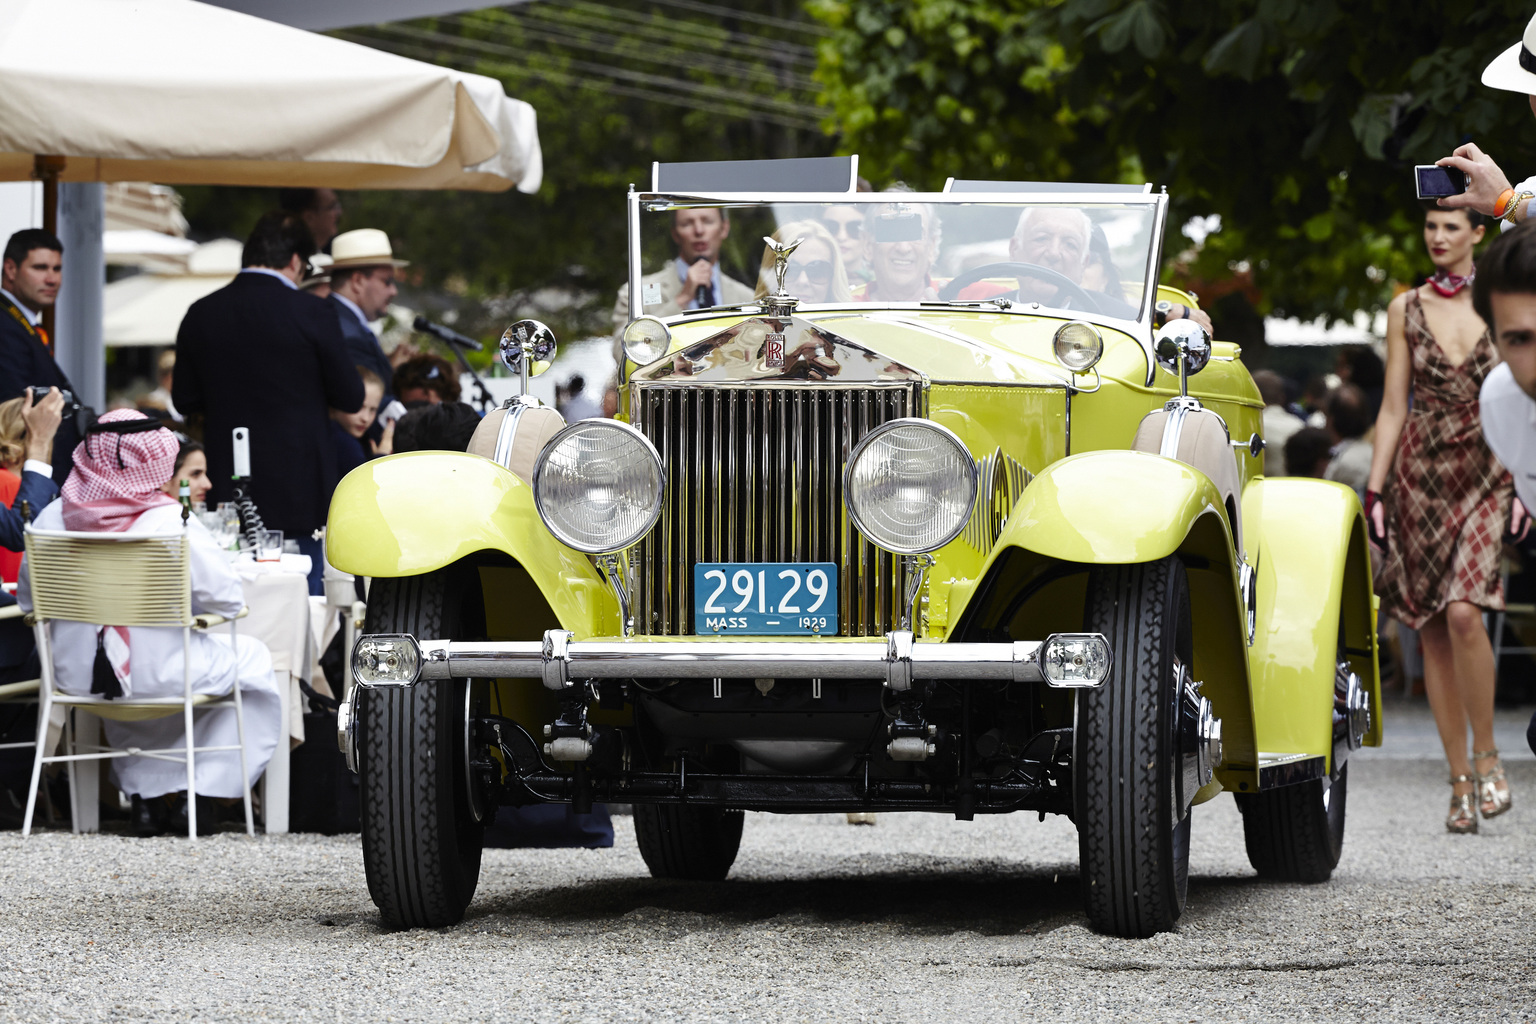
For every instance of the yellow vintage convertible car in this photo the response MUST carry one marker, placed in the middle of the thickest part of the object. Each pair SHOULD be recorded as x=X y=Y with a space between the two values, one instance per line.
x=963 y=513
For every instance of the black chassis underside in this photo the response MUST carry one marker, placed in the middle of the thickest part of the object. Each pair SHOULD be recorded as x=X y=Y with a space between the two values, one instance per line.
x=997 y=747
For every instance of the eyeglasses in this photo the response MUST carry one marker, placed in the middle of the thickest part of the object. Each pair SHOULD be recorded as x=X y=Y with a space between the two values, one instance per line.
x=854 y=229
x=818 y=271
x=307 y=270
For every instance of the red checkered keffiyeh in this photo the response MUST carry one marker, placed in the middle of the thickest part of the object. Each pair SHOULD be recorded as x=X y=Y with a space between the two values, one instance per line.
x=117 y=478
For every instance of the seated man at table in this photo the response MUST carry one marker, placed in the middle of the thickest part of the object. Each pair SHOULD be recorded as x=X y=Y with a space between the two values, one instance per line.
x=115 y=488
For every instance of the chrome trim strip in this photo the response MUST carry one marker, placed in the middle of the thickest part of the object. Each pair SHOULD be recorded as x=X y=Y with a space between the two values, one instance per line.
x=506 y=437
x=895 y=659
x=1289 y=769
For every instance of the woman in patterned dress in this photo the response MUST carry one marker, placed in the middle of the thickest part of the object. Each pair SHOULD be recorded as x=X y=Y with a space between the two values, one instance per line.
x=1438 y=503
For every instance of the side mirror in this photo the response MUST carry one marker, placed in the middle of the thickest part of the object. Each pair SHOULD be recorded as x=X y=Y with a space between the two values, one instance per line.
x=527 y=348
x=1182 y=348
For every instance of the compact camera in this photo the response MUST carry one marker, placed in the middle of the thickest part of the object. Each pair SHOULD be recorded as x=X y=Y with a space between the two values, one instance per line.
x=71 y=404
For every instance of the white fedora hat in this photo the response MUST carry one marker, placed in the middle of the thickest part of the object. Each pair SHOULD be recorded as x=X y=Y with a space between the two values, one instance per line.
x=364 y=247
x=1515 y=68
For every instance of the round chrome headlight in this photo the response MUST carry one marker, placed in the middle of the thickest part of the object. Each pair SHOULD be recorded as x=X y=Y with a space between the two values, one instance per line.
x=598 y=486
x=1078 y=346
x=910 y=486
x=646 y=339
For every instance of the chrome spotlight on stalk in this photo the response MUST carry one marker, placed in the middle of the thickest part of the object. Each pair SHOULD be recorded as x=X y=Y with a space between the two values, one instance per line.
x=1183 y=348
x=527 y=348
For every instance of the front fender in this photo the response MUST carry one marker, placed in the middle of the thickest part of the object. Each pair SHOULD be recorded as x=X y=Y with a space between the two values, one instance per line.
x=1110 y=507
x=416 y=512
x=1314 y=603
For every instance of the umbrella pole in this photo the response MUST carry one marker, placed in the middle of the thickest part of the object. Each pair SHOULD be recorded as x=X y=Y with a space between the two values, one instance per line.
x=47 y=169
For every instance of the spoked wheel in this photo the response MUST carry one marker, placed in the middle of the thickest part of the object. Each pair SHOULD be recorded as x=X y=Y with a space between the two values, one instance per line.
x=421 y=834
x=1131 y=805
x=697 y=844
x=1296 y=833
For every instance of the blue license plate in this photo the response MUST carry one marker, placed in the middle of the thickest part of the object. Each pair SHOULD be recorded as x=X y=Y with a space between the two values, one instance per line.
x=765 y=598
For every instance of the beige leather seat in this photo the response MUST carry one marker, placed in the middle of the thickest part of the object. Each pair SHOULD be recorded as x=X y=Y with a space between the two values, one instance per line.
x=535 y=426
x=1204 y=444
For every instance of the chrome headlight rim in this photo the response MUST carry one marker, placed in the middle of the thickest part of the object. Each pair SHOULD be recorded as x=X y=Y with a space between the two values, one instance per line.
x=859 y=521
x=633 y=347
x=1097 y=347
x=653 y=514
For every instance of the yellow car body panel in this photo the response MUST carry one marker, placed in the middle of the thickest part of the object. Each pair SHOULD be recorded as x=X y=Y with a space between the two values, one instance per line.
x=1313 y=581
x=417 y=512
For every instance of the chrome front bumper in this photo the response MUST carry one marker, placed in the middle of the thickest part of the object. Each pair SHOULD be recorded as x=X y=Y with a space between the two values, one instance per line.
x=1064 y=660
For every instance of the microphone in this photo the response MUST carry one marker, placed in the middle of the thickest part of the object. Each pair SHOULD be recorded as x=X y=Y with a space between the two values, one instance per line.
x=703 y=296
x=442 y=333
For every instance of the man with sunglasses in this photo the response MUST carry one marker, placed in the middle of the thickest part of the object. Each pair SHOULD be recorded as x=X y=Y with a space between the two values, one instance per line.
x=261 y=354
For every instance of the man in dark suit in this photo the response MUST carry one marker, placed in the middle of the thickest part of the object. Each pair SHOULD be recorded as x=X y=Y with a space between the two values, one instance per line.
x=30 y=274
x=259 y=353
x=362 y=285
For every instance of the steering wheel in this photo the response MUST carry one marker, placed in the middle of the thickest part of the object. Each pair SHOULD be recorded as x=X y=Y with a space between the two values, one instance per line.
x=1010 y=269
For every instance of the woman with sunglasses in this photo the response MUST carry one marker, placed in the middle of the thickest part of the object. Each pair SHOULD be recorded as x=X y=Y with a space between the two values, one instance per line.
x=816 y=273
x=845 y=223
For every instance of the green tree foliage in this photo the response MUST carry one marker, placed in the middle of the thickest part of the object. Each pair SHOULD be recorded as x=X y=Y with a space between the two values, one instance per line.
x=1297 y=121
x=616 y=85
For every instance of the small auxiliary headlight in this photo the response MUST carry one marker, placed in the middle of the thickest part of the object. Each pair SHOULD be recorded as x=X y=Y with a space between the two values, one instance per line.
x=1078 y=345
x=910 y=486
x=1072 y=660
x=386 y=659
x=598 y=485
x=646 y=339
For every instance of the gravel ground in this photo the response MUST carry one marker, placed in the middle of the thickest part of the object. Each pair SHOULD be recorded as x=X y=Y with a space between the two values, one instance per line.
x=919 y=918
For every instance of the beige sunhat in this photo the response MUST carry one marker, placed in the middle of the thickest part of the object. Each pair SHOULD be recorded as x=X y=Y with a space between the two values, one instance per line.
x=1515 y=68
x=364 y=247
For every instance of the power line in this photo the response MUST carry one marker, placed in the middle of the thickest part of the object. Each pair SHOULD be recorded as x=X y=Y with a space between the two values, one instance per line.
x=640 y=24
x=559 y=77
x=672 y=56
x=699 y=6
x=788 y=107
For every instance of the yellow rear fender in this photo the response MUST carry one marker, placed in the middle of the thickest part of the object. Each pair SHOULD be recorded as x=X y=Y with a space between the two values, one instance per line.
x=1315 y=606
x=417 y=512
x=1121 y=507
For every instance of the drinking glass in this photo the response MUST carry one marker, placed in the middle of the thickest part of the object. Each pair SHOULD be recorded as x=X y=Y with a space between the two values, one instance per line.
x=271 y=548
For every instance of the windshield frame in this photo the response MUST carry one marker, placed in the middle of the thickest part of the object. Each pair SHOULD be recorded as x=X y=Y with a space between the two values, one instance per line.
x=657 y=202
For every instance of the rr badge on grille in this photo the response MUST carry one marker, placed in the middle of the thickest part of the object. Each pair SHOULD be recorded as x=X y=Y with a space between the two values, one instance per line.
x=773 y=351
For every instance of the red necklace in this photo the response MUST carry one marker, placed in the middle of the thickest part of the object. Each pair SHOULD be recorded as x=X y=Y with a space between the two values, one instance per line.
x=1449 y=284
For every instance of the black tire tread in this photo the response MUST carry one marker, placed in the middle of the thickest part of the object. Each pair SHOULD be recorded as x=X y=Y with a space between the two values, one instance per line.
x=1288 y=833
x=697 y=844
x=420 y=870
x=1129 y=889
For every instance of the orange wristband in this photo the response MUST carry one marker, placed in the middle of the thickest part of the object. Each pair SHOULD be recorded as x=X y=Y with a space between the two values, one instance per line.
x=1501 y=205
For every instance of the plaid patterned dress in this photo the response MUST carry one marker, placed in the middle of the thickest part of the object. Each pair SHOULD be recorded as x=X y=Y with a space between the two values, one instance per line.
x=1448 y=497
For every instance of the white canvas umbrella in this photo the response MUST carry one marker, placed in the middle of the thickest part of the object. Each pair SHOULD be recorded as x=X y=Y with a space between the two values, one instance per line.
x=181 y=92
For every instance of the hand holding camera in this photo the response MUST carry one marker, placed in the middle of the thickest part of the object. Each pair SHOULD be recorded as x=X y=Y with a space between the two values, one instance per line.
x=42 y=412
x=1483 y=182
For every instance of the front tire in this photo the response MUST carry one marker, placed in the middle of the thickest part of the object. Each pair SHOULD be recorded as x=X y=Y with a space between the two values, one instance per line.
x=697 y=844
x=1133 y=833
x=421 y=839
x=1296 y=833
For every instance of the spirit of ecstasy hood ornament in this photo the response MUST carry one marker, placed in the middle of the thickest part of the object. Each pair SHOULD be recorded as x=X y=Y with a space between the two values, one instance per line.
x=780 y=303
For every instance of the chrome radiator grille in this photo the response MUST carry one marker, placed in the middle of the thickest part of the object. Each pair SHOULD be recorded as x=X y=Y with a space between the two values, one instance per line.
x=755 y=474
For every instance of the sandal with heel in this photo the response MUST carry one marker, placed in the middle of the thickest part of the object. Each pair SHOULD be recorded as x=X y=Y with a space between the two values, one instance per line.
x=1494 y=797
x=1463 y=815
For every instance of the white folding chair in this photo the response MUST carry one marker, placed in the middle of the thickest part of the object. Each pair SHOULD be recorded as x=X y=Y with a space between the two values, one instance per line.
x=122 y=580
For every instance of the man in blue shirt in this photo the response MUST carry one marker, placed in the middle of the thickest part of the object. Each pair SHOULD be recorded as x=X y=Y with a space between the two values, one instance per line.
x=693 y=279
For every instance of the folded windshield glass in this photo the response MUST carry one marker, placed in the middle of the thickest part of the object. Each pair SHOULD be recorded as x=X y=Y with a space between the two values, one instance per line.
x=894 y=248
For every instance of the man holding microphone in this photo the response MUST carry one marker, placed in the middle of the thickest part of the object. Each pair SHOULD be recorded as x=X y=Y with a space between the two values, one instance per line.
x=693 y=280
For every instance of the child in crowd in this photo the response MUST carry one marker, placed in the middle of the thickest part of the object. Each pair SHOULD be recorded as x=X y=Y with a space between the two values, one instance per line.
x=348 y=428
x=191 y=466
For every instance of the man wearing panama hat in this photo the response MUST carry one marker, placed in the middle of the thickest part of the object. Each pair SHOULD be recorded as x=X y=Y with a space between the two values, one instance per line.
x=1488 y=189
x=362 y=285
